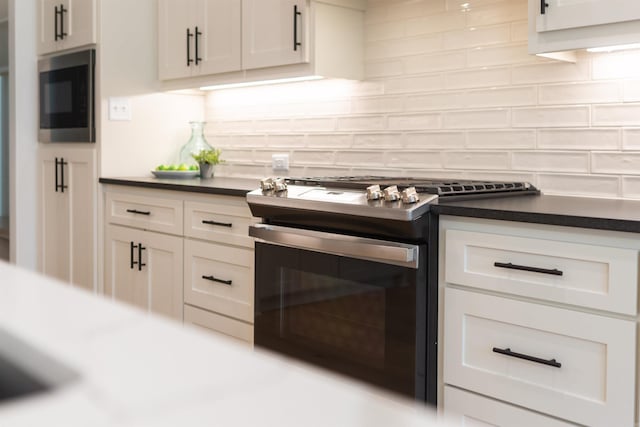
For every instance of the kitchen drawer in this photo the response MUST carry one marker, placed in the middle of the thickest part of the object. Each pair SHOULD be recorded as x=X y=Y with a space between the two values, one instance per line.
x=148 y=213
x=462 y=408
x=224 y=220
x=213 y=322
x=228 y=288
x=592 y=383
x=589 y=275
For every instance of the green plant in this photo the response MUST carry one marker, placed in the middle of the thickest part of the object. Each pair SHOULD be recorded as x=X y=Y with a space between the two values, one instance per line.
x=211 y=157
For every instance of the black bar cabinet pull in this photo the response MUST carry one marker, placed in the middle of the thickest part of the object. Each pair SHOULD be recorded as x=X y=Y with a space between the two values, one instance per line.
x=140 y=263
x=132 y=262
x=57 y=184
x=543 y=6
x=198 y=34
x=189 y=35
x=554 y=272
x=508 y=352
x=221 y=224
x=55 y=24
x=137 y=212
x=296 y=13
x=62 y=185
x=62 y=11
x=214 y=279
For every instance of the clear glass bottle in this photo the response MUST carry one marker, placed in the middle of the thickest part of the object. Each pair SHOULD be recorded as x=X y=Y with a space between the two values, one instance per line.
x=196 y=143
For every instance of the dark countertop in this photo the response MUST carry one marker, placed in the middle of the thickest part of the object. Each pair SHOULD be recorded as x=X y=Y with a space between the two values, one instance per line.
x=225 y=186
x=584 y=212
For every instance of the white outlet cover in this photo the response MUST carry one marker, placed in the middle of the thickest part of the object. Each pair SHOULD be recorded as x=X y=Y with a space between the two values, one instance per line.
x=119 y=109
x=280 y=162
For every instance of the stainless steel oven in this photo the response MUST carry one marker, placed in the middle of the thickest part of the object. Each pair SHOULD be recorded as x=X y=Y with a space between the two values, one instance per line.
x=346 y=303
x=346 y=274
x=67 y=98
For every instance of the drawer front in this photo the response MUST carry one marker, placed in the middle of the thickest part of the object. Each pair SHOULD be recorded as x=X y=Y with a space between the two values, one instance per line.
x=580 y=367
x=225 y=220
x=219 y=278
x=213 y=322
x=593 y=276
x=462 y=408
x=148 y=213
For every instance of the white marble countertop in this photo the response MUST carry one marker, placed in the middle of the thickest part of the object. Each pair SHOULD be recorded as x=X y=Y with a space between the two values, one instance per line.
x=133 y=369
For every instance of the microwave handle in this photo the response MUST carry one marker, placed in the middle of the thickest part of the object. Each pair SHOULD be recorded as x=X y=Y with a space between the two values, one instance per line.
x=380 y=251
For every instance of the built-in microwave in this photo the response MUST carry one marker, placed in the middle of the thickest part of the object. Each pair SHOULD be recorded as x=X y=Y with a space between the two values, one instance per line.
x=66 y=95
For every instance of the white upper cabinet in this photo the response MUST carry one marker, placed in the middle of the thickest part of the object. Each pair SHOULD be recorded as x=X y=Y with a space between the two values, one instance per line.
x=253 y=40
x=560 y=25
x=274 y=32
x=198 y=37
x=65 y=24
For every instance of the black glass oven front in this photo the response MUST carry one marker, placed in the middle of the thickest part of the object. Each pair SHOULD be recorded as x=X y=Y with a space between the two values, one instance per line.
x=66 y=98
x=353 y=316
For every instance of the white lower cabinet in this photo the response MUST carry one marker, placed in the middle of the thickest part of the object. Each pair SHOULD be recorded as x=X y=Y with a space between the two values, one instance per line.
x=463 y=408
x=216 y=323
x=144 y=269
x=538 y=324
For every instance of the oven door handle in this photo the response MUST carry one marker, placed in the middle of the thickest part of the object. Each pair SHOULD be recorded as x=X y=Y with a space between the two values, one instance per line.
x=381 y=251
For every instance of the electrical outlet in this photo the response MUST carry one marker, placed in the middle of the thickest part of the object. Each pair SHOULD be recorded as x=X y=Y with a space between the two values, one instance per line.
x=280 y=162
x=119 y=109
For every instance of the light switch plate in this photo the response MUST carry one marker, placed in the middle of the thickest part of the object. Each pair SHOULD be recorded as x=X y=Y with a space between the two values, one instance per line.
x=119 y=109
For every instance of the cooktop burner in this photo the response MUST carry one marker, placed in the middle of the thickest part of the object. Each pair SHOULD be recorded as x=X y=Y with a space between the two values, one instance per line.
x=422 y=185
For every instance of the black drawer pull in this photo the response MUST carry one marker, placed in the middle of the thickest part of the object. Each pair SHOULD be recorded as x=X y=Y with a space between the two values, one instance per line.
x=221 y=224
x=214 y=279
x=543 y=6
x=508 y=352
x=511 y=266
x=134 y=211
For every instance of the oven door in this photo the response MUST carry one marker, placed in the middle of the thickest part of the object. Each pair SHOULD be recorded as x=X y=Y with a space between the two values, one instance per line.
x=345 y=303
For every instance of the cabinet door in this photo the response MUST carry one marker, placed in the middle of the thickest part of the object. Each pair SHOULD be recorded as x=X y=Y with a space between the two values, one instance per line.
x=67 y=189
x=219 y=36
x=562 y=14
x=156 y=285
x=65 y=24
x=271 y=30
x=176 y=46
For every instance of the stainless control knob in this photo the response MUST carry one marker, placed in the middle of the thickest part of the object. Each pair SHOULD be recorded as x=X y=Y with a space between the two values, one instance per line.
x=374 y=192
x=266 y=184
x=410 y=195
x=279 y=185
x=391 y=194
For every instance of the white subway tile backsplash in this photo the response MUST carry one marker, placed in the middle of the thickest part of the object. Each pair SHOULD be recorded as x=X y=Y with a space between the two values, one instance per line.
x=433 y=140
x=476 y=160
x=415 y=159
x=580 y=185
x=415 y=122
x=616 y=115
x=436 y=62
x=471 y=37
x=551 y=116
x=475 y=119
x=631 y=139
x=504 y=55
x=478 y=78
x=616 y=163
x=449 y=91
x=501 y=139
x=579 y=139
x=386 y=104
x=580 y=93
x=549 y=72
x=551 y=161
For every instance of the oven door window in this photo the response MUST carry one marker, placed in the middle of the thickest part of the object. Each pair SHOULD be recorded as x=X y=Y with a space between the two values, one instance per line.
x=352 y=316
x=64 y=98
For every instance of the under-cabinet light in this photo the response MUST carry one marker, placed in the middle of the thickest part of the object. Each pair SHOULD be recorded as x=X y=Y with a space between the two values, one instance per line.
x=614 y=48
x=261 y=82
